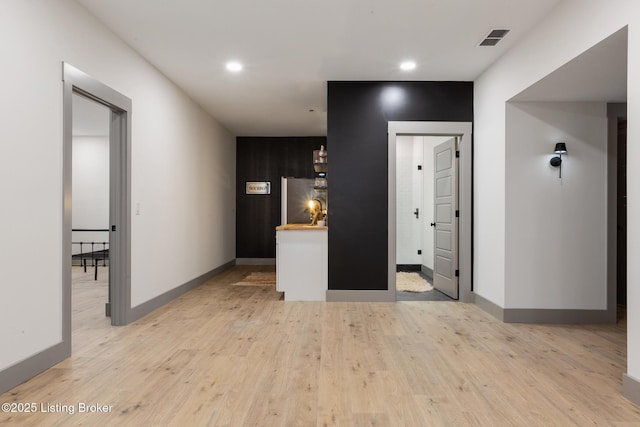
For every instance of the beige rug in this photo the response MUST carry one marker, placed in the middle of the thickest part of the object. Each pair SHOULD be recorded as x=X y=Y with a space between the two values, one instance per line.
x=266 y=278
x=411 y=282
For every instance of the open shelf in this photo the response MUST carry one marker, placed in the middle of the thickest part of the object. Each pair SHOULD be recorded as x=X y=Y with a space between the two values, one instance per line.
x=320 y=167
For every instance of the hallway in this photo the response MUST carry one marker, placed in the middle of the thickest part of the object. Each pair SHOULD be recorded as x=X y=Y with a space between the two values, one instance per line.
x=238 y=355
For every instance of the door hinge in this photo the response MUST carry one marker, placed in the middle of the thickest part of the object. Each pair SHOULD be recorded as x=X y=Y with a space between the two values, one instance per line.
x=113 y=228
x=457 y=273
x=457 y=214
x=419 y=251
x=457 y=153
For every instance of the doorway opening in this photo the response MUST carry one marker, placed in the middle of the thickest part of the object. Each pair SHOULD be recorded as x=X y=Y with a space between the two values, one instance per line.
x=430 y=209
x=118 y=240
x=90 y=213
x=621 y=258
x=417 y=249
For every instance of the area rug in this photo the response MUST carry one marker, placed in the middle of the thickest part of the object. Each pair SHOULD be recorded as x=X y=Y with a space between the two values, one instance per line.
x=260 y=278
x=411 y=282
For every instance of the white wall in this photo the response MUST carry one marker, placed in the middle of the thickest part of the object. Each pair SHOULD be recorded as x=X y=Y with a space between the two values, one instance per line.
x=183 y=167
x=570 y=29
x=90 y=190
x=578 y=25
x=556 y=228
x=408 y=239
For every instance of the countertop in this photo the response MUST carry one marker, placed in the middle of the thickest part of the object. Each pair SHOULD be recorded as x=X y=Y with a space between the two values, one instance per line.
x=286 y=227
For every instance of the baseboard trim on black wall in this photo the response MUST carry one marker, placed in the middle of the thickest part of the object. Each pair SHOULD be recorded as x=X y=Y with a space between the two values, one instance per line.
x=255 y=261
x=338 y=295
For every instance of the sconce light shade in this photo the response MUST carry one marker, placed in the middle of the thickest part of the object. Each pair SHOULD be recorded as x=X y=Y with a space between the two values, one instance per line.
x=561 y=148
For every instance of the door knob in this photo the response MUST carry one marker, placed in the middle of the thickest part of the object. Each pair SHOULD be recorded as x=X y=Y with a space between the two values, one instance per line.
x=417 y=213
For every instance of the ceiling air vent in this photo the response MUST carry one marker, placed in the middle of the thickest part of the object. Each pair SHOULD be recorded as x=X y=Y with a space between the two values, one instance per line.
x=494 y=37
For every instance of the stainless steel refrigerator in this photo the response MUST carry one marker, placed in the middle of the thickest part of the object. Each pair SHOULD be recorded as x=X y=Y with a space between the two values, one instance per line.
x=295 y=196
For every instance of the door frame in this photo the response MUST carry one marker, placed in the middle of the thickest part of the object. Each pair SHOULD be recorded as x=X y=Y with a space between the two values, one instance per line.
x=76 y=81
x=615 y=112
x=465 y=197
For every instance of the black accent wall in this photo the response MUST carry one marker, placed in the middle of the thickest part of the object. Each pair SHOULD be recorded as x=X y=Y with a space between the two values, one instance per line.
x=357 y=117
x=267 y=159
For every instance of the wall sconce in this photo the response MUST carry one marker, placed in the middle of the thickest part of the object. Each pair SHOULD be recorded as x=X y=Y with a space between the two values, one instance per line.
x=556 y=161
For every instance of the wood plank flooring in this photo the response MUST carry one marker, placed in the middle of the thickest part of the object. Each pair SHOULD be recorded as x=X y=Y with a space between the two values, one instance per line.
x=225 y=355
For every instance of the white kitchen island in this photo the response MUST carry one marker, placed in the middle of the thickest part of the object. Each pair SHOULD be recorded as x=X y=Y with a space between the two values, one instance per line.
x=302 y=262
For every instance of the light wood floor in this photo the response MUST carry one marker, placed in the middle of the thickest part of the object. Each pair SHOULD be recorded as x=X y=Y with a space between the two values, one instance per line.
x=238 y=355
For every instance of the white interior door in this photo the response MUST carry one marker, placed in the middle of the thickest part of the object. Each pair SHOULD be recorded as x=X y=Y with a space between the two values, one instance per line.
x=446 y=224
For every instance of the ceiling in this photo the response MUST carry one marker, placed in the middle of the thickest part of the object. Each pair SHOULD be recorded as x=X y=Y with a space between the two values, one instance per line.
x=291 y=48
x=598 y=74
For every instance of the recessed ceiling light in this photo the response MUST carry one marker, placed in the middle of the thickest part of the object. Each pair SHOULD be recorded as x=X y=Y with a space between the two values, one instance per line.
x=234 y=66
x=408 y=66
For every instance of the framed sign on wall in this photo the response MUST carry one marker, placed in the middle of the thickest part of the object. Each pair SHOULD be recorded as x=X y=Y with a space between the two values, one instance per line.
x=258 y=187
